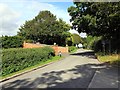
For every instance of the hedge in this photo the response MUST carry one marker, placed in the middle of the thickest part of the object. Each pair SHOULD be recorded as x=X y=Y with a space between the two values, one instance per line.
x=17 y=59
x=11 y=41
x=71 y=48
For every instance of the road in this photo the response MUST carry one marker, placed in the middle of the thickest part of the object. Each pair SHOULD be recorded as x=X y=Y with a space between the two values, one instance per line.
x=75 y=71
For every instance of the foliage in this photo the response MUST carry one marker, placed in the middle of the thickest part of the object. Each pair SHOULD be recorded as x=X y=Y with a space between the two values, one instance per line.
x=29 y=41
x=69 y=40
x=76 y=39
x=17 y=59
x=90 y=42
x=45 y=28
x=72 y=48
x=55 y=58
x=109 y=47
x=97 y=19
x=73 y=39
x=96 y=43
x=11 y=41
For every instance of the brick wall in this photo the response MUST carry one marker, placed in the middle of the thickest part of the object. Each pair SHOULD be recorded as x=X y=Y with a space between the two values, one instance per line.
x=30 y=45
x=58 y=49
x=55 y=47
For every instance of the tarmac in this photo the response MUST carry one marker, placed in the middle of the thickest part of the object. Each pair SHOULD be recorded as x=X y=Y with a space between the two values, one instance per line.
x=78 y=70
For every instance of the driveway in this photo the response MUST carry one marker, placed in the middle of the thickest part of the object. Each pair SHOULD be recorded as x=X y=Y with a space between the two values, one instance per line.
x=75 y=71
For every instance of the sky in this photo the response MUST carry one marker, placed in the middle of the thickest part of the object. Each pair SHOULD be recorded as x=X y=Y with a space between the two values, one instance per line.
x=14 y=13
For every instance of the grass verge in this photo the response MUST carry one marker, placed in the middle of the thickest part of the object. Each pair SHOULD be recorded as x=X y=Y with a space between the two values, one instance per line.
x=56 y=58
x=74 y=51
x=111 y=59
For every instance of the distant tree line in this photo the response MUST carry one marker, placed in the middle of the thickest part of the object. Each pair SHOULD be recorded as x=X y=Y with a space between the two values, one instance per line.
x=45 y=28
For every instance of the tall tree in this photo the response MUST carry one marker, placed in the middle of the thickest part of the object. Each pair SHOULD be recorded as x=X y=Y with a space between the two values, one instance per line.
x=76 y=39
x=45 y=28
x=101 y=19
x=97 y=19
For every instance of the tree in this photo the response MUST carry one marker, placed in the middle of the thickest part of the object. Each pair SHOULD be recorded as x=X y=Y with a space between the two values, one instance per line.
x=76 y=39
x=69 y=40
x=97 y=19
x=45 y=28
x=73 y=39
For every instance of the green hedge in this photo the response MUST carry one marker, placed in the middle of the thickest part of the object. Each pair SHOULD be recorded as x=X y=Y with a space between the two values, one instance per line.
x=17 y=59
x=11 y=41
x=71 y=48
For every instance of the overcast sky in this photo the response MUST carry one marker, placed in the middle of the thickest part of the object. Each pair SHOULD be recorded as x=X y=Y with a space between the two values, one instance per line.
x=14 y=13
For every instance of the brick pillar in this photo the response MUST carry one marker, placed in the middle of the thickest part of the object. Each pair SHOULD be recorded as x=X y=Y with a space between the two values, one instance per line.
x=24 y=44
x=55 y=47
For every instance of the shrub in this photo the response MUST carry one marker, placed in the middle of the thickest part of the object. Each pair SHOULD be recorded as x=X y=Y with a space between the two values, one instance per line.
x=76 y=39
x=11 y=41
x=17 y=59
x=90 y=42
x=29 y=41
x=71 y=48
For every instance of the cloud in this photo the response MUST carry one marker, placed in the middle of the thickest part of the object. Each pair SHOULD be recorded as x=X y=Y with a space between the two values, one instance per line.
x=8 y=20
x=34 y=6
x=84 y=35
x=14 y=14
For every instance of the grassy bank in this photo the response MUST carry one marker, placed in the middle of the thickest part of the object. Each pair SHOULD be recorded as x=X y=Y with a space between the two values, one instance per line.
x=33 y=67
x=112 y=59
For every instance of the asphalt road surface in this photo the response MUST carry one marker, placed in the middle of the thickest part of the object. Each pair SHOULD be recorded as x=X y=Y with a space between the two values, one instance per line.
x=75 y=71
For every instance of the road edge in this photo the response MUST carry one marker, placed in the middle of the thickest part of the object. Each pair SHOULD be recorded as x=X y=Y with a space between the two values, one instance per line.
x=27 y=71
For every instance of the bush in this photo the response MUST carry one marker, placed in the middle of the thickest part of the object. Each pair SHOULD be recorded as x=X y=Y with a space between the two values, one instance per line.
x=71 y=48
x=17 y=59
x=90 y=42
x=29 y=41
x=11 y=41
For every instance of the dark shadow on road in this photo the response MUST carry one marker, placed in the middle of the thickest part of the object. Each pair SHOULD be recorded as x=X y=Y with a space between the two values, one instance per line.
x=89 y=54
x=81 y=77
